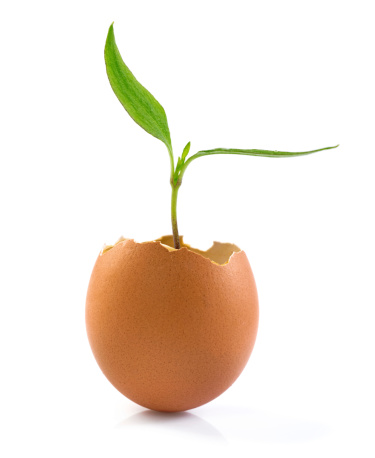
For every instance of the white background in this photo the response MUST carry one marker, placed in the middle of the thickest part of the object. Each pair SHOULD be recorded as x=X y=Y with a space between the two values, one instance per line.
x=77 y=172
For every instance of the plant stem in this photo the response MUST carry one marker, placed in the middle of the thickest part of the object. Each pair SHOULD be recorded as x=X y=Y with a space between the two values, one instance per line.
x=171 y=158
x=176 y=237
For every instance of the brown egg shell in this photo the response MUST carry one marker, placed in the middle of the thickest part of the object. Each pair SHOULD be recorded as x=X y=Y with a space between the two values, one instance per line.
x=171 y=329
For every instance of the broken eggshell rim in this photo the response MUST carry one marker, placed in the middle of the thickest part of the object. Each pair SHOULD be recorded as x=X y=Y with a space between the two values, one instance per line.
x=230 y=248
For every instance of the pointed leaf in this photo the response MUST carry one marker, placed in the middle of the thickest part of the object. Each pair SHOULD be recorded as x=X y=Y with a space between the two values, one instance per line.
x=257 y=152
x=137 y=101
x=186 y=151
x=248 y=152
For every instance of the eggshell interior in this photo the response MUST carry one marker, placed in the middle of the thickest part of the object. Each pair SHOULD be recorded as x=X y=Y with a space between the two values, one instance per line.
x=171 y=329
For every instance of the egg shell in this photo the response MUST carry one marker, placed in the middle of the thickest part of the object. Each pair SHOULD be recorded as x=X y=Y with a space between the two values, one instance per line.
x=171 y=329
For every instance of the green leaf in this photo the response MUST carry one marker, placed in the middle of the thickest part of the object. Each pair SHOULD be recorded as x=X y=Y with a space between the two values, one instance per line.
x=257 y=152
x=142 y=106
x=248 y=152
x=185 y=151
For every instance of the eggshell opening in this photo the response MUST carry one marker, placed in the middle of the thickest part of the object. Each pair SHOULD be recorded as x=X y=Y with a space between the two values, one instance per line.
x=219 y=253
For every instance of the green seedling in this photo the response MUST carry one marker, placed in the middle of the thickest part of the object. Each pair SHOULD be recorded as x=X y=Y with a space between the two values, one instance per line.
x=147 y=112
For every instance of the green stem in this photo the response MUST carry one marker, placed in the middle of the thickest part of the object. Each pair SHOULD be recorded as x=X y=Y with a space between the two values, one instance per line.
x=170 y=151
x=176 y=237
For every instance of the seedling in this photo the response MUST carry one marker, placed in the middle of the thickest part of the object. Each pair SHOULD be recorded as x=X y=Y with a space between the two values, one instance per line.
x=147 y=112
